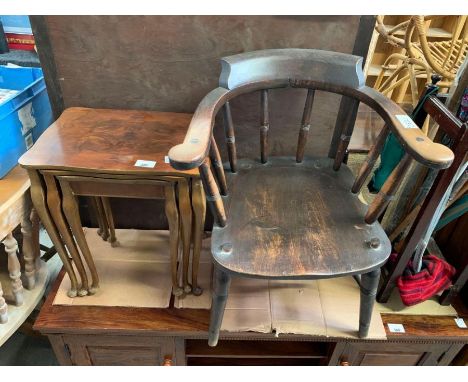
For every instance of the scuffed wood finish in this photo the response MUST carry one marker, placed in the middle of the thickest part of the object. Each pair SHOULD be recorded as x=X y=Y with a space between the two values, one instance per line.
x=264 y=127
x=106 y=330
x=14 y=268
x=109 y=141
x=369 y=162
x=387 y=191
x=283 y=64
x=230 y=136
x=345 y=136
x=259 y=68
x=217 y=164
x=305 y=125
x=212 y=193
x=296 y=221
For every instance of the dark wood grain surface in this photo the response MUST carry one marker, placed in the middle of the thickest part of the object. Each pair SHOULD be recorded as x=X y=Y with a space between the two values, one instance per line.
x=194 y=323
x=109 y=141
x=296 y=220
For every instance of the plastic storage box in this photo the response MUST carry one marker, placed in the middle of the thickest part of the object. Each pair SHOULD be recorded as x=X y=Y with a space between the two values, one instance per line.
x=25 y=112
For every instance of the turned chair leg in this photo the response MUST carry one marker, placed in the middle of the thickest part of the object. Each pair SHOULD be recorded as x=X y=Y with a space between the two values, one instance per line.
x=368 y=285
x=221 y=282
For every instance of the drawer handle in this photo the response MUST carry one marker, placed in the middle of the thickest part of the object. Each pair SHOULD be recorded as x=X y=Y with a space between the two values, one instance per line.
x=167 y=361
x=344 y=362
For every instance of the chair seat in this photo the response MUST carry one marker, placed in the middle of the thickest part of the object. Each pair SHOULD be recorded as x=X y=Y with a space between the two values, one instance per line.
x=296 y=221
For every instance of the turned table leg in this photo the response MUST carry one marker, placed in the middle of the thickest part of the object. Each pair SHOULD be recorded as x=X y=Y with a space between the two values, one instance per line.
x=3 y=307
x=186 y=224
x=199 y=210
x=14 y=268
x=172 y=215
x=29 y=251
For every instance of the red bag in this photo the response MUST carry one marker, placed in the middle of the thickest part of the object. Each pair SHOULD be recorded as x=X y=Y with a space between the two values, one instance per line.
x=435 y=276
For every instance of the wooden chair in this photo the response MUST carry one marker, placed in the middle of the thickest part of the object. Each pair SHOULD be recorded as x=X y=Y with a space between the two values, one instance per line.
x=296 y=217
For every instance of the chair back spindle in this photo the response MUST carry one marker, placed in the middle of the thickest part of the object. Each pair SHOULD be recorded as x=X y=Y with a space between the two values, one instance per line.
x=230 y=136
x=217 y=164
x=265 y=126
x=348 y=122
x=387 y=191
x=305 y=125
x=212 y=193
x=369 y=162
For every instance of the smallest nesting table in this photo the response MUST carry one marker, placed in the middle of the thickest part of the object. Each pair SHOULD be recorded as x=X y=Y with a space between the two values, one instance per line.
x=114 y=153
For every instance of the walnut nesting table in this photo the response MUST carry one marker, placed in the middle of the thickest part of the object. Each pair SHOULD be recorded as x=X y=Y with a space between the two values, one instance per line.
x=103 y=153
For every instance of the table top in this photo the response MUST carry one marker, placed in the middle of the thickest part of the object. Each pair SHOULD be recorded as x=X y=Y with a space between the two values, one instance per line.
x=194 y=322
x=12 y=187
x=109 y=141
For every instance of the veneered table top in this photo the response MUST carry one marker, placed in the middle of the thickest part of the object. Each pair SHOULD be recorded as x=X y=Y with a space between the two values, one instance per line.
x=109 y=141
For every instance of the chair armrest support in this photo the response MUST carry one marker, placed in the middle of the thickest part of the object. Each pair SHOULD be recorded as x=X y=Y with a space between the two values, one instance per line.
x=192 y=152
x=413 y=140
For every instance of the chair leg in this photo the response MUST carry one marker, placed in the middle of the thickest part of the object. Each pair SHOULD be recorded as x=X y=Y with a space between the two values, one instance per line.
x=369 y=284
x=221 y=282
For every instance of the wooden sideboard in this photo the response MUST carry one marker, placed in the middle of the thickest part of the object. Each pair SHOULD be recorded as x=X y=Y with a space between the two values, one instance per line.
x=87 y=335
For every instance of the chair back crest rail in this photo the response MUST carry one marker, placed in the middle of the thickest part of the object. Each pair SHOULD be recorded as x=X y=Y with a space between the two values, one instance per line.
x=297 y=68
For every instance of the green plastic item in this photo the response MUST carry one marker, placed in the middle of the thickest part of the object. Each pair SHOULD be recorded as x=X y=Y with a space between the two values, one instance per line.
x=392 y=152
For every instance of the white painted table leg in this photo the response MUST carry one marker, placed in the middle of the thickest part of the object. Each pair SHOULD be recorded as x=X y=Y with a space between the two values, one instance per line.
x=3 y=308
x=28 y=253
x=14 y=269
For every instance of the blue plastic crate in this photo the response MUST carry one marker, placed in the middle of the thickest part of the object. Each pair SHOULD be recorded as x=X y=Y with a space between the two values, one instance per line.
x=23 y=116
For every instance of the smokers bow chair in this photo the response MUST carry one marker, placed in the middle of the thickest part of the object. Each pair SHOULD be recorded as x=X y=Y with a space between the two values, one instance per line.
x=296 y=217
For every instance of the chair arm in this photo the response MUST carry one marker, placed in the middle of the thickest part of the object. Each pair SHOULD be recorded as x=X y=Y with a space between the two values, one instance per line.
x=192 y=152
x=413 y=140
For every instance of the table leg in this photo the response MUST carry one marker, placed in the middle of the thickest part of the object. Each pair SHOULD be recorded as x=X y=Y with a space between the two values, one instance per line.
x=173 y=220
x=39 y=200
x=3 y=307
x=94 y=203
x=186 y=219
x=70 y=209
x=55 y=207
x=110 y=221
x=14 y=268
x=28 y=251
x=199 y=210
x=102 y=218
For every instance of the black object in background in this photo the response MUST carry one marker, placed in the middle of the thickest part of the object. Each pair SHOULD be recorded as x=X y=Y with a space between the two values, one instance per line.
x=3 y=40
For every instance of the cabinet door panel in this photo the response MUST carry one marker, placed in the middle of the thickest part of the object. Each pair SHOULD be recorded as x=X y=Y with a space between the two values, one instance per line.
x=120 y=350
x=392 y=354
